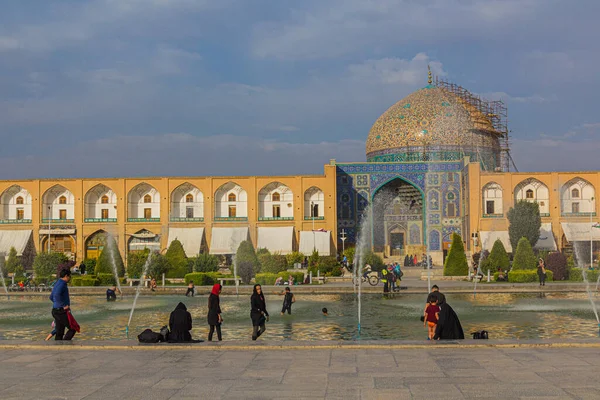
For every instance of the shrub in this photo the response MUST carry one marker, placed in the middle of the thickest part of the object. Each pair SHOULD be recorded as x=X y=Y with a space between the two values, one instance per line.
x=314 y=258
x=373 y=260
x=135 y=263
x=177 y=263
x=45 y=264
x=204 y=263
x=265 y=278
x=497 y=258
x=349 y=253
x=524 y=258
x=12 y=262
x=272 y=263
x=64 y=265
x=293 y=258
x=90 y=265
x=106 y=279
x=576 y=275
x=159 y=265
x=522 y=276
x=245 y=270
x=298 y=276
x=43 y=279
x=85 y=281
x=524 y=221
x=110 y=253
x=557 y=263
x=456 y=262
x=327 y=266
x=201 y=278
x=245 y=254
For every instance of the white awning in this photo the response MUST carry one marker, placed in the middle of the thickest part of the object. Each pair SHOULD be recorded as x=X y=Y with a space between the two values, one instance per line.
x=488 y=238
x=17 y=239
x=227 y=240
x=315 y=240
x=580 y=231
x=190 y=238
x=546 y=240
x=276 y=239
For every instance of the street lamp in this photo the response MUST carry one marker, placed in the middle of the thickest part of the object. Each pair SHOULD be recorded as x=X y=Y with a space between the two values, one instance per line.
x=49 y=220
x=343 y=237
x=591 y=232
x=312 y=213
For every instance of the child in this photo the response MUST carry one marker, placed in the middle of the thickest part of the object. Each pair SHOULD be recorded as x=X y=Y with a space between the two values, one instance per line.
x=51 y=333
x=287 y=300
x=190 y=290
x=432 y=313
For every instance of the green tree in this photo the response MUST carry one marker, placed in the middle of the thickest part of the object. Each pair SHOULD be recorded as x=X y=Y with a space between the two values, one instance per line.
x=497 y=258
x=314 y=258
x=110 y=252
x=272 y=263
x=524 y=257
x=178 y=263
x=3 y=266
x=159 y=265
x=373 y=260
x=456 y=262
x=12 y=262
x=245 y=271
x=246 y=254
x=294 y=257
x=524 y=221
x=135 y=263
x=205 y=263
x=45 y=264
x=349 y=253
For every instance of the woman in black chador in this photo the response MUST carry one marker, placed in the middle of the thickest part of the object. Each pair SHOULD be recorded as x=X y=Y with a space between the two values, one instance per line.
x=448 y=325
x=180 y=325
x=214 y=312
x=258 y=312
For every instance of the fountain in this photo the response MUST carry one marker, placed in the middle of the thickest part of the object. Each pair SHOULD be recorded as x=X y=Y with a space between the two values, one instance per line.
x=2 y=264
x=138 y=290
x=483 y=247
x=363 y=246
x=111 y=249
x=581 y=265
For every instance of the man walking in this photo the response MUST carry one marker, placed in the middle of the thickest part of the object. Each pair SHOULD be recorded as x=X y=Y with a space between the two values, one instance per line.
x=61 y=306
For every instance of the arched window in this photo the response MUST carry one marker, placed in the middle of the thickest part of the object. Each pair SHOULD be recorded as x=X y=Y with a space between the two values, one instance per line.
x=62 y=200
x=147 y=199
x=104 y=199
x=276 y=197
x=231 y=197
x=575 y=193
x=529 y=194
x=189 y=198
x=19 y=200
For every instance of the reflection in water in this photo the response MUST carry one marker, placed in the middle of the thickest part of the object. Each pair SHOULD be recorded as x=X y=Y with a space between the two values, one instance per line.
x=503 y=315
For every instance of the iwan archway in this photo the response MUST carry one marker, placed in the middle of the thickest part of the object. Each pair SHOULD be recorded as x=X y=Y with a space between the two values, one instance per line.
x=398 y=219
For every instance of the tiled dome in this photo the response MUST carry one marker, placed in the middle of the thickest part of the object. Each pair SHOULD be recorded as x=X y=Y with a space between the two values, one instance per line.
x=429 y=119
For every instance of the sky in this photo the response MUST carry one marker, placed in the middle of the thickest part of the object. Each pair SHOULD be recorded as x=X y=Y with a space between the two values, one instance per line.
x=123 y=88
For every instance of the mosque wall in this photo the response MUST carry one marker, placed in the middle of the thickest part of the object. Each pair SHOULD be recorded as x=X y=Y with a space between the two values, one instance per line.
x=128 y=206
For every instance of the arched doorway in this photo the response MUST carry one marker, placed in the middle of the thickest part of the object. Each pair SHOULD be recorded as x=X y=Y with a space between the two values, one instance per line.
x=94 y=245
x=398 y=219
x=60 y=243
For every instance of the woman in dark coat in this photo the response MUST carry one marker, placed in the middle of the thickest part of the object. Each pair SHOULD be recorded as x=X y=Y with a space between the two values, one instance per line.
x=180 y=325
x=448 y=326
x=214 y=312
x=258 y=312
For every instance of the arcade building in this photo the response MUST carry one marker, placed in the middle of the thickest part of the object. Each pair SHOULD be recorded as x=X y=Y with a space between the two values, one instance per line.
x=438 y=162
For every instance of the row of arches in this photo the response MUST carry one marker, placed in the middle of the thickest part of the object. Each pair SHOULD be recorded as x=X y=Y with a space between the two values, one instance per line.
x=275 y=201
x=577 y=196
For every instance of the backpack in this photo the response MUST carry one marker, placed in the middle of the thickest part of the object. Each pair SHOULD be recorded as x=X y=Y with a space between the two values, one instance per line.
x=480 y=335
x=149 y=337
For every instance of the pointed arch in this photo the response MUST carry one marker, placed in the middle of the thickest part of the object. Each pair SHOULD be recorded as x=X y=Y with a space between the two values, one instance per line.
x=231 y=202
x=533 y=190
x=143 y=239
x=143 y=203
x=58 y=203
x=275 y=201
x=100 y=204
x=15 y=205
x=578 y=196
x=187 y=204
x=492 y=199
x=95 y=243
x=314 y=203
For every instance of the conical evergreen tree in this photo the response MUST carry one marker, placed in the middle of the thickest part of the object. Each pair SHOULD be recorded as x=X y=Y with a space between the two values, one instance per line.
x=497 y=258
x=524 y=257
x=178 y=263
x=105 y=260
x=456 y=262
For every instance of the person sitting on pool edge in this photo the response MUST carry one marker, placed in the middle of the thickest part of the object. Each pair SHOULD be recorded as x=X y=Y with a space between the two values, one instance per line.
x=190 y=289
x=180 y=325
x=111 y=293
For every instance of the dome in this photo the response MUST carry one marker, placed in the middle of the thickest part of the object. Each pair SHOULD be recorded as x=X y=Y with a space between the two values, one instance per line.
x=433 y=124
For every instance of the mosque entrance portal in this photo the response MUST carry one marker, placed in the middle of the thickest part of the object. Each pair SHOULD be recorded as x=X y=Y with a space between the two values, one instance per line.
x=398 y=219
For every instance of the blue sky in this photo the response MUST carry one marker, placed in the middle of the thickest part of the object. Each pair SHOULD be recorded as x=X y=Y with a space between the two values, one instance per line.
x=233 y=87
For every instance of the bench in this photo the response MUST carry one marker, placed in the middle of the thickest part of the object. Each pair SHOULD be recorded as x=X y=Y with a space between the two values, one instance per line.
x=319 y=279
x=146 y=282
x=221 y=280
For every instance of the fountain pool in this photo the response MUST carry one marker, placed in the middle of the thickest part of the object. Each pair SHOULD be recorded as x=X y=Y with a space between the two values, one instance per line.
x=505 y=316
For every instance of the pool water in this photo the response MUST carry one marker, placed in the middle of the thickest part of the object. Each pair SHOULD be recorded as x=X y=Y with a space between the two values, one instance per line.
x=504 y=316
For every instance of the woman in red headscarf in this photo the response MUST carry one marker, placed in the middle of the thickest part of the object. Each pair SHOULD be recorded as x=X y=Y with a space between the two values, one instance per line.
x=214 y=312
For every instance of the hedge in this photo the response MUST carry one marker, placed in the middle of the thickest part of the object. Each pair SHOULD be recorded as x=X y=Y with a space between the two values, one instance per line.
x=84 y=281
x=523 y=276
x=298 y=276
x=268 y=279
x=575 y=274
x=42 y=279
x=203 y=278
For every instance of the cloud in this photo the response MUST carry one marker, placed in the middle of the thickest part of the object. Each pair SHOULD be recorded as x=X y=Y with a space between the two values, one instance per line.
x=395 y=70
x=557 y=154
x=182 y=154
x=8 y=43
x=534 y=98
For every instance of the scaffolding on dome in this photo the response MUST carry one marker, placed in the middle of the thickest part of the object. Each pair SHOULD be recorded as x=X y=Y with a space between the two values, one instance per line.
x=494 y=110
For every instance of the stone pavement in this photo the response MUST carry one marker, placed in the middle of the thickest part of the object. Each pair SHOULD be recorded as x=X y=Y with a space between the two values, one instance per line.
x=429 y=372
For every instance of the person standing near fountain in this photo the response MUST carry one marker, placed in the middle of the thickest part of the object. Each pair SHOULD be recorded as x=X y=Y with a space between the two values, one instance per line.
x=214 y=312
x=258 y=312
x=288 y=299
x=448 y=325
x=61 y=305
x=111 y=293
x=541 y=271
